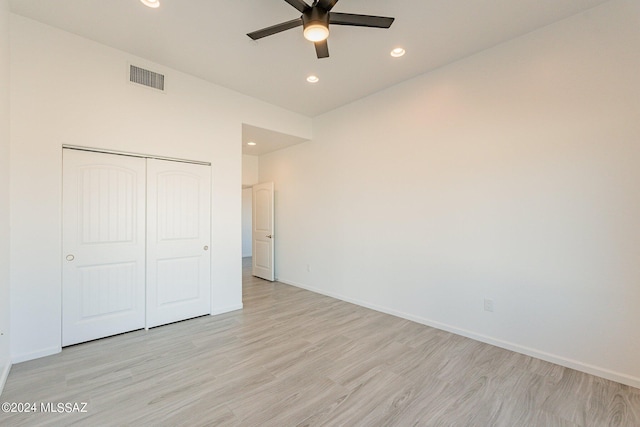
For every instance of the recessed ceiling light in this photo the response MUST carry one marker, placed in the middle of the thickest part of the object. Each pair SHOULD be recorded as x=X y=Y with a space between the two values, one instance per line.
x=251 y=143
x=313 y=79
x=398 y=52
x=151 y=3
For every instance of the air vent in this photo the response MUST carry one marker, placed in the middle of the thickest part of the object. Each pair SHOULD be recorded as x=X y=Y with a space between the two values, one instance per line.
x=146 y=77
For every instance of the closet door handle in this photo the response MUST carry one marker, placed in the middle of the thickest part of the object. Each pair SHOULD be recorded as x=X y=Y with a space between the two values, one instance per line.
x=206 y=248
x=70 y=257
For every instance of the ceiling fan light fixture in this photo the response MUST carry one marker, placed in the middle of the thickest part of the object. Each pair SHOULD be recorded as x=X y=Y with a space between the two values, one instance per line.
x=315 y=22
x=151 y=3
x=313 y=79
x=316 y=32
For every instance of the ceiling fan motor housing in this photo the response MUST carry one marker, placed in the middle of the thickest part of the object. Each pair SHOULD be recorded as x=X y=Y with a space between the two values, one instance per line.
x=315 y=16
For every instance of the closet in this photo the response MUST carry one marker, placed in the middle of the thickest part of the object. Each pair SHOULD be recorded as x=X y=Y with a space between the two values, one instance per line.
x=136 y=236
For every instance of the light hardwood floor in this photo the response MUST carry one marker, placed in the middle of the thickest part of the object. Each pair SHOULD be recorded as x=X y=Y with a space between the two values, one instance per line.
x=295 y=358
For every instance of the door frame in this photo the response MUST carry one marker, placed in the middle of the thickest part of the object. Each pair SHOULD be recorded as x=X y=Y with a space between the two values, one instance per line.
x=130 y=154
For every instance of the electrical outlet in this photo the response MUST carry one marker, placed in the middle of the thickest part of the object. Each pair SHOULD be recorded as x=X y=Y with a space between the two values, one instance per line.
x=488 y=305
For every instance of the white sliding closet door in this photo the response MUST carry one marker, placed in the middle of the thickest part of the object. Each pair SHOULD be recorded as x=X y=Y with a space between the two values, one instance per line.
x=178 y=239
x=103 y=270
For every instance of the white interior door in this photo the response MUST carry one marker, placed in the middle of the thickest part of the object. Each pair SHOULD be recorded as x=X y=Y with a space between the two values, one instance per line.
x=178 y=239
x=103 y=272
x=263 y=237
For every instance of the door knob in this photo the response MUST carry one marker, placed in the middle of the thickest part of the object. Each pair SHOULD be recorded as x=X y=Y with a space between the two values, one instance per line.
x=70 y=257
x=269 y=236
x=206 y=248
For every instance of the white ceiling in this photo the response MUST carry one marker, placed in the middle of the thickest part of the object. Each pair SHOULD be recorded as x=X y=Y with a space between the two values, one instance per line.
x=207 y=38
x=266 y=140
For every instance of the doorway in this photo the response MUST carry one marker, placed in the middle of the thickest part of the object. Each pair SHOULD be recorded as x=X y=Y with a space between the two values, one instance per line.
x=258 y=230
x=257 y=142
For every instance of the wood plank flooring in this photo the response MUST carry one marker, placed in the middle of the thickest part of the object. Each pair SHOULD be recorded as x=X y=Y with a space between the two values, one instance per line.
x=295 y=358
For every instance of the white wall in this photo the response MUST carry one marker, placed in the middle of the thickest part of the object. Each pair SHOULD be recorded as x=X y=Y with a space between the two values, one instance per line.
x=511 y=175
x=250 y=176
x=247 y=215
x=4 y=193
x=69 y=90
x=250 y=167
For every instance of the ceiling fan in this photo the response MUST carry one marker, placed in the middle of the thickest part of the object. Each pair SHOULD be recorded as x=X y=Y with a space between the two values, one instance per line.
x=315 y=21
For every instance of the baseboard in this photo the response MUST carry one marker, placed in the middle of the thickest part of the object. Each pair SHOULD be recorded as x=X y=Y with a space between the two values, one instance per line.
x=5 y=367
x=25 y=357
x=552 y=358
x=228 y=309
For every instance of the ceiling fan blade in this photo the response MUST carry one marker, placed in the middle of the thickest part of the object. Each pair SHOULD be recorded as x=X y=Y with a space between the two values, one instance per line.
x=360 y=20
x=274 y=29
x=327 y=4
x=298 y=4
x=322 y=49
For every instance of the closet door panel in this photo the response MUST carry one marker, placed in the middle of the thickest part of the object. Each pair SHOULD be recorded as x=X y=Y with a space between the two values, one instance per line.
x=103 y=291
x=178 y=239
